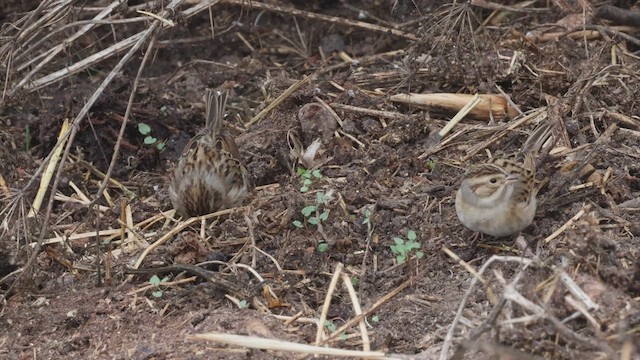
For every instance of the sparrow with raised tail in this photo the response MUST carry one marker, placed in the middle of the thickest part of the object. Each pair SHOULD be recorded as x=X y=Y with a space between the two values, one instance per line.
x=498 y=197
x=209 y=176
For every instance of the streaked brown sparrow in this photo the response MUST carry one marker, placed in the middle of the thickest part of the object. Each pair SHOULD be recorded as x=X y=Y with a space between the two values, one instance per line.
x=209 y=176
x=498 y=197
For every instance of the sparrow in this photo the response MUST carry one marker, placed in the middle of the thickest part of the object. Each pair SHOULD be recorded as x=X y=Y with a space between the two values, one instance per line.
x=498 y=196
x=209 y=176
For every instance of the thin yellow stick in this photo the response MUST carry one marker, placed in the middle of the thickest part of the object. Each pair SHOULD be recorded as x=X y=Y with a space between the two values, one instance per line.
x=51 y=167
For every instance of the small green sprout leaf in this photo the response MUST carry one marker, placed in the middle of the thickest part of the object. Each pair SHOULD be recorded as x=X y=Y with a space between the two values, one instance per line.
x=298 y=224
x=403 y=249
x=155 y=280
x=330 y=326
x=143 y=128
x=323 y=247
x=308 y=210
x=431 y=164
x=321 y=198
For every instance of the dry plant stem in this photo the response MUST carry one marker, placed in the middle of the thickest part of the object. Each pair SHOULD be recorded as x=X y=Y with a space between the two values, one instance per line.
x=314 y=16
x=127 y=113
x=464 y=264
x=295 y=318
x=29 y=27
x=371 y=310
x=575 y=337
x=584 y=312
x=273 y=260
x=200 y=5
x=85 y=63
x=367 y=248
x=252 y=237
x=49 y=17
x=330 y=110
x=473 y=102
x=60 y=239
x=615 y=31
x=371 y=112
x=7 y=210
x=569 y=222
x=491 y=320
x=74 y=130
x=6 y=277
x=577 y=291
x=213 y=277
x=494 y=6
x=449 y=338
x=540 y=113
x=30 y=62
x=130 y=194
x=511 y=294
x=60 y=47
x=308 y=78
x=486 y=326
x=278 y=100
x=179 y=228
x=168 y=283
x=285 y=346
x=327 y=301
x=366 y=344
x=46 y=177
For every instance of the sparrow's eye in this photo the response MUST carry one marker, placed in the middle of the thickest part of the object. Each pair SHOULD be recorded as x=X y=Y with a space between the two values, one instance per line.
x=493 y=180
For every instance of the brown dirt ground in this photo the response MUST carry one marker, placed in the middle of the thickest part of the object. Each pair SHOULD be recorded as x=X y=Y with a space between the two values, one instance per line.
x=374 y=164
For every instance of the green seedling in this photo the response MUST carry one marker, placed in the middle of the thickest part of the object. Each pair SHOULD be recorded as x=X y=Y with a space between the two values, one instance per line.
x=431 y=164
x=157 y=282
x=332 y=327
x=367 y=217
x=323 y=247
x=316 y=213
x=404 y=249
x=307 y=177
x=145 y=130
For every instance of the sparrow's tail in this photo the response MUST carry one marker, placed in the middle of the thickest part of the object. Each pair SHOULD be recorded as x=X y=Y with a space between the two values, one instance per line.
x=215 y=104
x=538 y=138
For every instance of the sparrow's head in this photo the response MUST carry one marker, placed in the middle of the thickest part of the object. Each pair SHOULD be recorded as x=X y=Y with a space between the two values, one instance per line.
x=487 y=184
